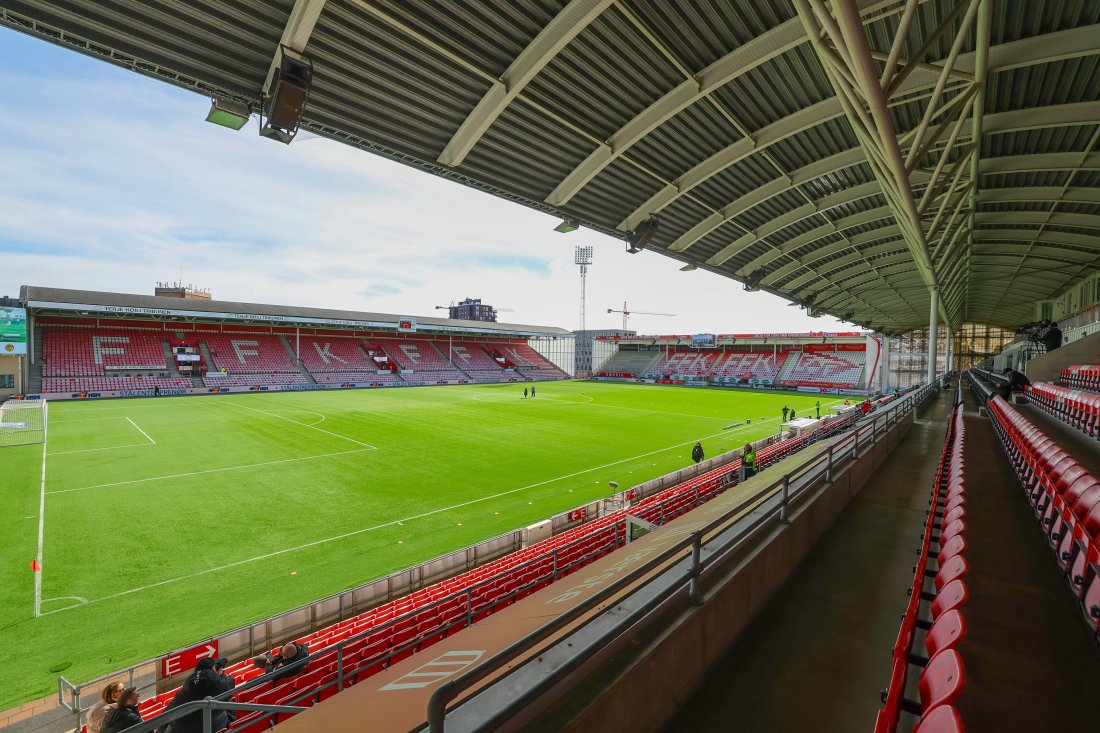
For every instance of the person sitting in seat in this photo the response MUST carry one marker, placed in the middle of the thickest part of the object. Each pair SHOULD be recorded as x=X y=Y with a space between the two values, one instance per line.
x=1014 y=382
x=292 y=659
x=124 y=714
x=206 y=681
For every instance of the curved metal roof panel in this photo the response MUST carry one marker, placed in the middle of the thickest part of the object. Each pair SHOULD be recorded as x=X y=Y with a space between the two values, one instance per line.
x=723 y=118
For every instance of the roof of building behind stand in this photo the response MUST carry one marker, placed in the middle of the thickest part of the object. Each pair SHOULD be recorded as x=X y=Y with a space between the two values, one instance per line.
x=88 y=302
x=720 y=117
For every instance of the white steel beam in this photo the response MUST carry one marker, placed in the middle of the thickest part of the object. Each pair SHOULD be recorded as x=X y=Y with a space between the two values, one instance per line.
x=299 y=27
x=556 y=35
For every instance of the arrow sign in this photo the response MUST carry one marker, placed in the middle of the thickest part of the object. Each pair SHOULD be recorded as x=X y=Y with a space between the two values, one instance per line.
x=186 y=659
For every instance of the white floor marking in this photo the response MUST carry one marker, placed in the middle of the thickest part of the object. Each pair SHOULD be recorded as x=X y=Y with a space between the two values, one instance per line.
x=141 y=431
x=94 y=450
x=211 y=470
x=378 y=526
x=304 y=425
x=41 y=517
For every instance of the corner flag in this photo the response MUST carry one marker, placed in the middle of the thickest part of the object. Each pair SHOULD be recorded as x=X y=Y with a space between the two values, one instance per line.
x=36 y=566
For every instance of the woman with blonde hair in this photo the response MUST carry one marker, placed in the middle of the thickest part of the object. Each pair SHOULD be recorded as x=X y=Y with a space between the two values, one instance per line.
x=105 y=703
x=125 y=712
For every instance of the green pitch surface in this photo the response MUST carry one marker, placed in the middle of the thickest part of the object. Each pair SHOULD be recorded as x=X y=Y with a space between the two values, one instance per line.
x=170 y=520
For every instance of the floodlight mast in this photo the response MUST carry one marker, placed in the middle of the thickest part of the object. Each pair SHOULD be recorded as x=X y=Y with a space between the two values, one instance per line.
x=582 y=258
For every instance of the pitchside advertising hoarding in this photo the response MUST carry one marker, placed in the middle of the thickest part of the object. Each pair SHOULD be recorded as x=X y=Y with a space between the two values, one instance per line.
x=13 y=331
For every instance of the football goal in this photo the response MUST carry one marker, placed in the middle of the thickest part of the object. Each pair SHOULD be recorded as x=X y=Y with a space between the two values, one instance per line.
x=22 y=422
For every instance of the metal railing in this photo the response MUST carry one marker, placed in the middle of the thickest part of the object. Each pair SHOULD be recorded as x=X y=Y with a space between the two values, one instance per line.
x=789 y=488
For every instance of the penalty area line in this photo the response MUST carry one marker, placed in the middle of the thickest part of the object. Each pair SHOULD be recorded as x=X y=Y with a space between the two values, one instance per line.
x=141 y=431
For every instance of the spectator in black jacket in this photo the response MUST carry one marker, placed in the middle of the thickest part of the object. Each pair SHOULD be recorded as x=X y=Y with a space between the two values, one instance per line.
x=1015 y=381
x=125 y=714
x=292 y=659
x=697 y=452
x=206 y=681
x=1053 y=337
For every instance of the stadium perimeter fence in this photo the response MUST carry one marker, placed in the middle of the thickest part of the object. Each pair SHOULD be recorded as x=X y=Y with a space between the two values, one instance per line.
x=255 y=638
x=22 y=422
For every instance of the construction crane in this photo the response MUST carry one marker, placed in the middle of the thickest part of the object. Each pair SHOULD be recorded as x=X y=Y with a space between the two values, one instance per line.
x=627 y=313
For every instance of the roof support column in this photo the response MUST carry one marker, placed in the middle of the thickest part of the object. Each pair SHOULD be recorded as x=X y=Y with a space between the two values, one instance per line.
x=933 y=332
x=884 y=360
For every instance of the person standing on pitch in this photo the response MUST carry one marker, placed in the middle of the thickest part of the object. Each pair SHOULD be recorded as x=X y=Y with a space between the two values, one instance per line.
x=818 y=409
x=532 y=391
x=785 y=411
x=697 y=452
x=792 y=414
x=524 y=393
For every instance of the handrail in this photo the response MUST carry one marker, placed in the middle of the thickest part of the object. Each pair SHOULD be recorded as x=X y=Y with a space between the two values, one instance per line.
x=448 y=691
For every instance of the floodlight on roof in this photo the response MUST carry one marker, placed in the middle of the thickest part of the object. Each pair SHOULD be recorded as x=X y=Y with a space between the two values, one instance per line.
x=228 y=113
x=568 y=225
x=689 y=267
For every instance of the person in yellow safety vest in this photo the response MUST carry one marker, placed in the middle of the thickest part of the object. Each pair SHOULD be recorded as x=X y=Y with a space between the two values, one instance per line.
x=748 y=460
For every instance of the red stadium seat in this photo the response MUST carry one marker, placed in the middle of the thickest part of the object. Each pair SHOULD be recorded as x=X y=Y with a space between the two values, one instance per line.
x=943 y=719
x=942 y=680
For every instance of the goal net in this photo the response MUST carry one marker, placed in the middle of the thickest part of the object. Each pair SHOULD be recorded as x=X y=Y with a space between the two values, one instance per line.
x=22 y=422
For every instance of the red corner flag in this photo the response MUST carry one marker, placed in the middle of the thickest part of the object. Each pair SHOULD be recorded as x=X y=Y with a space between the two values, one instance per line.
x=36 y=566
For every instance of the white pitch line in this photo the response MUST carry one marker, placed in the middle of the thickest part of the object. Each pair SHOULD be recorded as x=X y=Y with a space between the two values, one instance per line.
x=141 y=431
x=41 y=518
x=305 y=425
x=211 y=470
x=385 y=524
x=90 y=419
x=93 y=450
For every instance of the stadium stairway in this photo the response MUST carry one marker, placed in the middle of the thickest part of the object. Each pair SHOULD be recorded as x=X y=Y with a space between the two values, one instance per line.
x=169 y=359
x=294 y=357
x=826 y=638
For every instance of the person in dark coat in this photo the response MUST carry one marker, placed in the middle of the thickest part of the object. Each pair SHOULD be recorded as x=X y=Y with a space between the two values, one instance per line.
x=1053 y=337
x=1015 y=381
x=206 y=681
x=785 y=411
x=292 y=659
x=697 y=452
x=125 y=713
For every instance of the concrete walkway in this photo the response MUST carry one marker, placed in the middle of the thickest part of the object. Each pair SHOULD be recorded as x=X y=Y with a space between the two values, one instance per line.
x=818 y=656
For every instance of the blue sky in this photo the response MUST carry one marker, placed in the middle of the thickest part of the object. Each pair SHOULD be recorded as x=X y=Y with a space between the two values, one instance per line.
x=113 y=181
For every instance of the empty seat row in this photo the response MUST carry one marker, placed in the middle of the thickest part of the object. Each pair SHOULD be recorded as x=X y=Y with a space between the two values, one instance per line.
x=76 y=352
x=241 y=353
x=106 y=384
x=1065 y=498
x=1076 y=407
x=752 y=364
x=1082 y=376
x=831 y=369
x=933 y=624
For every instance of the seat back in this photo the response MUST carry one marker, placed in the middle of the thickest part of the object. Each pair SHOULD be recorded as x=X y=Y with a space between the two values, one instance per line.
x=942 y=680
x=944 y=719
x=952 y=569
x=950 y=597
x=946 y=633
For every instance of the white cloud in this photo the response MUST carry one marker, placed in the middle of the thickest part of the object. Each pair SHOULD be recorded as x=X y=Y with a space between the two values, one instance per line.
x=113 y=182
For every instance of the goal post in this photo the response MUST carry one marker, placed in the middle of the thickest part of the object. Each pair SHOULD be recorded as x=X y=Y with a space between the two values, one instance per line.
x=22 y=422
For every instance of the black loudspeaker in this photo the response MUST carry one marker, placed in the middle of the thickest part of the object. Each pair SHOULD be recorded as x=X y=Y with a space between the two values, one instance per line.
x=283 y=107
x=640 y=238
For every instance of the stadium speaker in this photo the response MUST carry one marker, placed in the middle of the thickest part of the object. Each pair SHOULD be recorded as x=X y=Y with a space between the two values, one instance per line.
x=289 y=92
x=640 y=238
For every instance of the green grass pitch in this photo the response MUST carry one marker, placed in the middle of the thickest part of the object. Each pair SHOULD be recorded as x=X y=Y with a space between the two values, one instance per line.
x=170 y=520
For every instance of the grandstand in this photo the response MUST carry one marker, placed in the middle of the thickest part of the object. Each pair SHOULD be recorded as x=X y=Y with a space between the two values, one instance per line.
x=113 y=354
x=928 y=171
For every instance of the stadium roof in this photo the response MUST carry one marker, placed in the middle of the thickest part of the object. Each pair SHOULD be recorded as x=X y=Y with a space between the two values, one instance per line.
x=88 y=302
x=853 y=156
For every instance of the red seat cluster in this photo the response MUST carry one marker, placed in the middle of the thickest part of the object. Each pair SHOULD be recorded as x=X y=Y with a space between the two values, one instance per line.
x=1076 y=407
x=1082 y=376
x=939 y=580
x=1066 y=501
